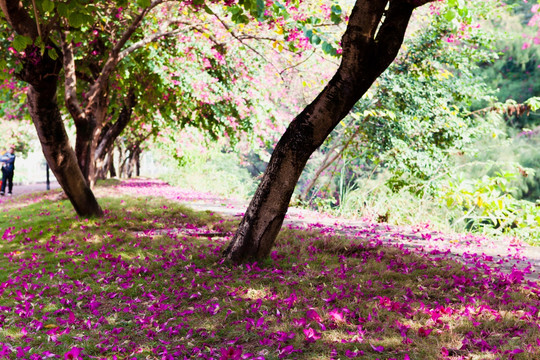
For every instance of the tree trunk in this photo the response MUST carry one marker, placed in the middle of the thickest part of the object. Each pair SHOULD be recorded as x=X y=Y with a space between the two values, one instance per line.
x=369 y=47
x=134 y=165
x=122 y=158
x=41 y=73
x=83 y=145
x=110 y=133
x=110 y=164
x=58 y=152
x=60 y=156
x=101 y=172
x=88 y=133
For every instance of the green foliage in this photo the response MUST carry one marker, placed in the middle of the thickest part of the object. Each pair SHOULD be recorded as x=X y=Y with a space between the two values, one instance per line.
x=208 y=168
x=415 y=142
x=18 y=133
x=487 y=205
x=418 y=113
x=372 y=199
x=516 y=73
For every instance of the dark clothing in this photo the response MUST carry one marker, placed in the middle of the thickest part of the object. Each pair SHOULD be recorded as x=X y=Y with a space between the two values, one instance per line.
x=9 y=160
x=7 y=179
x=8 y=167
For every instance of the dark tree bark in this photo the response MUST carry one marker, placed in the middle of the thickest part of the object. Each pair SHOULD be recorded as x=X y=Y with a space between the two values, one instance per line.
x=371 y=42
x=110 y=166
x=110 y=133
x=41 y=73
x=57 y=150
x=131 y=161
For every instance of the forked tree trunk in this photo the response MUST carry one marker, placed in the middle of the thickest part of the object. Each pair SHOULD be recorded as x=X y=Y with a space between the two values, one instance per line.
x=370 y=44
x=58 y=152
x=133 y=162
x=88 y=133
x=60 y=156
x=110 y=133
x=41 y=73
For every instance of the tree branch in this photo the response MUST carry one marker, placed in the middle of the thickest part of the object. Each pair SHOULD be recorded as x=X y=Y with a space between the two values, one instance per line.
x=18 y=18
x=112 y=132
x=70 y=80
x=239 y=39
x=113 y=59
x=143 y=42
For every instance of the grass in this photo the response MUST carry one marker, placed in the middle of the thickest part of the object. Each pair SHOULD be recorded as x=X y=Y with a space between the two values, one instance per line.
x=147 y=282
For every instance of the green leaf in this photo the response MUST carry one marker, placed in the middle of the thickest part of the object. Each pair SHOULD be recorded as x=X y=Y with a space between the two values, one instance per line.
x=260 y=8
x=450 y=15
x=47 y=5
x=63 y=9
x=315 y=39
x=329 y=49
x=336 y=19
x=463 y=12
x=336 y=9
x=143 y=3
x=20 y=42
x=76 y=19
x=52 y=54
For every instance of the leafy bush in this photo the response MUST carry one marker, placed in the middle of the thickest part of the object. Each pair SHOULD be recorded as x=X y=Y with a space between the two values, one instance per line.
x=487 y=205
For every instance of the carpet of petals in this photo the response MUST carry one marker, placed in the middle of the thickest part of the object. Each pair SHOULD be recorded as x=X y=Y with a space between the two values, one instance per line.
x=330 y=290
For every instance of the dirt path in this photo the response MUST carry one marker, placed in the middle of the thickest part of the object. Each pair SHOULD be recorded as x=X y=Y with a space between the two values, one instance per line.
x=517 y=259
x=31 y=188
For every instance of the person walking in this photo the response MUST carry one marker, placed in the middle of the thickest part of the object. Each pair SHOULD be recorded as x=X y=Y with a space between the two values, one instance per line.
x=8 y=168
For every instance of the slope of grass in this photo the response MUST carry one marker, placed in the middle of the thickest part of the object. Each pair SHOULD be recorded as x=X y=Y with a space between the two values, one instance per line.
x=147 y=282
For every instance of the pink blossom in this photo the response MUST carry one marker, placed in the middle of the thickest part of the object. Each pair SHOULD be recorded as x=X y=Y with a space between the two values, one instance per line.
x=311 y=335
x=311 y=314
x=74 y=354
x=232 y=353
x=424 y=332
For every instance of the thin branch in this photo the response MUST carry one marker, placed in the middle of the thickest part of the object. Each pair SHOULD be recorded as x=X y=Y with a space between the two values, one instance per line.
x=113 y=59
x=36 y=15
x=299 y=63
x=70 y=80
x=147 y=40
x=327 y=161
x=230 y=31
